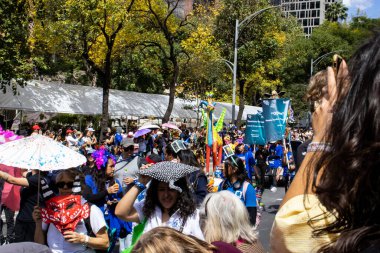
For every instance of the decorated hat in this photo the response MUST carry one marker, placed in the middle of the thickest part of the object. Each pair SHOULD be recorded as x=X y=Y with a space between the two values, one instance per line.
x=101 y=157
x=168 y=172
x=178 y=145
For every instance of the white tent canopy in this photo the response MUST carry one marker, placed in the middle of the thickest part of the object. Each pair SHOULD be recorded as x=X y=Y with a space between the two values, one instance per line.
x=54 y=97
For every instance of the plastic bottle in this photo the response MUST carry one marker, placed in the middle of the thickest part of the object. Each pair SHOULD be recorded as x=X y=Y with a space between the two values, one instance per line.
x=218 y=172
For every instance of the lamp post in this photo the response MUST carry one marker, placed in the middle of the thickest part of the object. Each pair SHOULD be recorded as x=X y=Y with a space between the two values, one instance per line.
x=237 y=27
x=229 y=64
x=319 y=59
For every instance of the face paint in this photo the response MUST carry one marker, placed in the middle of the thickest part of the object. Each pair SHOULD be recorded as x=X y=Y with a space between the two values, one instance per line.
x=65 y=212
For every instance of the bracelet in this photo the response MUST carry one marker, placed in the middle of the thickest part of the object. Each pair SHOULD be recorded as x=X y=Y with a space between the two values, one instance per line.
x=86 y=239
x=319 y=146
x=139 y=185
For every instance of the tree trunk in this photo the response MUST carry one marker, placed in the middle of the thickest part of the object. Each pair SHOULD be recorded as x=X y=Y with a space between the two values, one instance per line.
x=106 y=91
x=171 y=92
x=169 y=109
x=241 y=102
x=105 y=111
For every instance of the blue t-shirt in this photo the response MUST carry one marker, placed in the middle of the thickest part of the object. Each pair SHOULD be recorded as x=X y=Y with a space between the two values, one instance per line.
x=249 y=162
x=279 y=151
x=250 y=195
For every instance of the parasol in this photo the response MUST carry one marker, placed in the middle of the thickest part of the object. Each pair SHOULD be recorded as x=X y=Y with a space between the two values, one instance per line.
x=10 y=195
x=171 y=126
x=40 y=153
x=149 y=126
x=141 y=132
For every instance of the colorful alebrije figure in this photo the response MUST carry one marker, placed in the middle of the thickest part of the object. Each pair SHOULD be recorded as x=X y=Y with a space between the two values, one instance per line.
x=101 y=157
x=213 y=140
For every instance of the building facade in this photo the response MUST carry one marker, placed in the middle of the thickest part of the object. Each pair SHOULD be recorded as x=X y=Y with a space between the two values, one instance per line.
x=310 y=13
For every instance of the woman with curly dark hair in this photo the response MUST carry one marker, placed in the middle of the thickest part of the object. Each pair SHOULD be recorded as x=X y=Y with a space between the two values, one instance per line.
x=168 y=200
x=333 y=204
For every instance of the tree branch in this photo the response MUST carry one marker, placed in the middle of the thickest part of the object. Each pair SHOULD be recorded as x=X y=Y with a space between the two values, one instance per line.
x=170 y=12
x=155 y=44
x=130 y=6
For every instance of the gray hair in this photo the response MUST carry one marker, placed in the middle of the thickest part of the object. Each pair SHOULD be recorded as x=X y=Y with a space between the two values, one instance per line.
x=225 y=218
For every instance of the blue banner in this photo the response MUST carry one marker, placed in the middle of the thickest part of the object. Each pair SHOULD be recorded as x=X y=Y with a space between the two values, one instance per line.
x=275 y=112
x=255 y=132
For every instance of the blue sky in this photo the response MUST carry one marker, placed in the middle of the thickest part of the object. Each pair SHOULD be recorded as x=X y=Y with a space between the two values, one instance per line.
x=370 y=7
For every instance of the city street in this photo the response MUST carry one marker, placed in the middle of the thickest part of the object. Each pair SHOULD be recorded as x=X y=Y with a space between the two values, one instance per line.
x=272 y=202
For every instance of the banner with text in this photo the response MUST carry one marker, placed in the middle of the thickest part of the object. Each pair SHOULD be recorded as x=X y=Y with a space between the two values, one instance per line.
x=275 y=112
x=255 y=132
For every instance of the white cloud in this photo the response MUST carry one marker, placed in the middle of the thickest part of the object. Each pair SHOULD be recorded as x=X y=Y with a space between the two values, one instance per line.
x=358 y=4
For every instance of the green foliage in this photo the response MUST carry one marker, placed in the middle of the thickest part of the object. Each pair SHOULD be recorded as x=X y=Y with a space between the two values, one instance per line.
x=262 y=43
x=15 y=63
x=336 y=11
x=330 y=37
x=202 y=66
x=296 y=92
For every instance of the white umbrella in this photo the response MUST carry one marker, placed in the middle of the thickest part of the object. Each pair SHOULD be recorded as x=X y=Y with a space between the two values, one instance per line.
x=171 y=125
x=149 y=126
x=40 y=153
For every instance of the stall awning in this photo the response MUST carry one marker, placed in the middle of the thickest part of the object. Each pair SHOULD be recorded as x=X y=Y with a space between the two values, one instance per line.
x=54 y=97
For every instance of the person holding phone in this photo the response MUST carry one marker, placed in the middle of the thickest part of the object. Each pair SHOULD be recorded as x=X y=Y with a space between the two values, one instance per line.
x=333 y=203
x=103 y=190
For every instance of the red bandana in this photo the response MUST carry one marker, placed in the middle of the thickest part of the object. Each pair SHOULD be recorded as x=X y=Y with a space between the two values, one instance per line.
x=65 y=212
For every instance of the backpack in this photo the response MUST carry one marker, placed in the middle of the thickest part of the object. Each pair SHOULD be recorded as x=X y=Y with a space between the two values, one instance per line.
x=118 y=139
x=245 y=187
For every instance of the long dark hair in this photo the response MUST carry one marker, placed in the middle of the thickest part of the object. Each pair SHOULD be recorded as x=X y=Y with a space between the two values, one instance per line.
x=100 y=177
x=185 y=203
x=236 y=162
x=354 y=159
x=187 y=157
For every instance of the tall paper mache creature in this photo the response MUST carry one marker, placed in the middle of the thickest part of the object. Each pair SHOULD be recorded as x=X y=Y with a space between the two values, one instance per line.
x=213 y=140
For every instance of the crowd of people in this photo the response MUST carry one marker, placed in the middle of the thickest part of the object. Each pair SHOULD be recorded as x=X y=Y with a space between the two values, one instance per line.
x=152 y=193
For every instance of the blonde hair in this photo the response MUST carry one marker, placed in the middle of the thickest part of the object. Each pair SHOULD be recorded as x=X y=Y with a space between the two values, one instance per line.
x=168 y=240
x=317 y=86
x=225 y=218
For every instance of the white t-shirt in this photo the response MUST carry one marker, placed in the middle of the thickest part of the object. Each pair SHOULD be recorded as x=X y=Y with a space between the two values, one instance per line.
x=71 y=141
x=191 y=226
x=58 y=244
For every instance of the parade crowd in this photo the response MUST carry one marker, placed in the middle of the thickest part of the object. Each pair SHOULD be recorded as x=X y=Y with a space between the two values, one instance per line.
x=112 y=169
x=155 y=192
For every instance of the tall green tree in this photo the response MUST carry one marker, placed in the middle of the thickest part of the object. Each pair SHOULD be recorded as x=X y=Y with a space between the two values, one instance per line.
x=164 y=29
x=261 y=43
x=15 y=62
x=97 y=31
x=336 y=11
x=202 y=66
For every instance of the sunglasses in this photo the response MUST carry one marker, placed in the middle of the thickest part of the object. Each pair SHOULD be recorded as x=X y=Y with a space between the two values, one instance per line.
x=61 y=185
